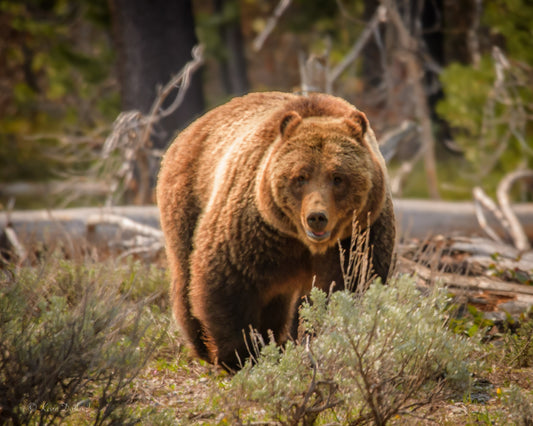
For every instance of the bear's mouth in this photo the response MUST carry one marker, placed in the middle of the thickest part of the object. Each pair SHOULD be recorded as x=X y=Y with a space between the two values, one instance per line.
x=318 y=236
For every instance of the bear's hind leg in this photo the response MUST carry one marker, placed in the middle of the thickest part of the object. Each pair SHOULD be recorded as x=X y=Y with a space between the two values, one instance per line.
x=189 y=324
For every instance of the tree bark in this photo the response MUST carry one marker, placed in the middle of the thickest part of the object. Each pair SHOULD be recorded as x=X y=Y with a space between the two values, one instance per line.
x=233 y=61
x=154 y=39
x=415 y=74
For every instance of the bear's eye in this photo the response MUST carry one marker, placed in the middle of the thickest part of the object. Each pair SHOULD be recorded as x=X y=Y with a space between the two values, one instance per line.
x=300 y=180
x=337 y=180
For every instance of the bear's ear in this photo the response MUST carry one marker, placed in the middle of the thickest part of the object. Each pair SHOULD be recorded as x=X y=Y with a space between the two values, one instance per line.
x=289 y=123
x=358 y=124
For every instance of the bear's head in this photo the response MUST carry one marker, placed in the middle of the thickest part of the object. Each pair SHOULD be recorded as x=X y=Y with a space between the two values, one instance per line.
x=319 y=172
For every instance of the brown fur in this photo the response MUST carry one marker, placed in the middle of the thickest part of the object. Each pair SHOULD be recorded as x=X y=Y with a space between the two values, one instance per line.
x=246 y=194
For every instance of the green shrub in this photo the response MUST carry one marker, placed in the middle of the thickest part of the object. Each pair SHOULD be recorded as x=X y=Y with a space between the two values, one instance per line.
x=518 y=346
x=364 y=360
x=520 y=406
x=70 y=338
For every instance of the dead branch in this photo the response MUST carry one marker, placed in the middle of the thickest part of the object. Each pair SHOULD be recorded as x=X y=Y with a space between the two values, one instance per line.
x=505 y=115
x=270 y=25
x=405 y=169
x=472 y=283
x=516 y=230
x=478 y=246
x=409 y=47
x=182 y=80
x=493 y=257
x=151 y=239
x=15 y=246
x=472 y=36
x=391 y=141
x=483 y=200
x=503 y=213
x=312 y=72
x=379 y=16
x=131 y=137
x=123 y=223
x=79 y=186
x=490 y=294
x=415 y=218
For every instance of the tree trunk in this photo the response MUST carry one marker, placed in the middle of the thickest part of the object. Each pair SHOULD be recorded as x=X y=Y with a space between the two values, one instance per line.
x=233 y=61
x=410 y=47
x=154 y=39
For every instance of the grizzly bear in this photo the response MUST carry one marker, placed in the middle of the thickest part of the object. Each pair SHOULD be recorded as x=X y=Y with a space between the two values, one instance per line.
x=255 y=197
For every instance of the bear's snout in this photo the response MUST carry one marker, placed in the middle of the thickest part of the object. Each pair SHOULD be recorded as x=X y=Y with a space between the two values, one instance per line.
x=317 y=221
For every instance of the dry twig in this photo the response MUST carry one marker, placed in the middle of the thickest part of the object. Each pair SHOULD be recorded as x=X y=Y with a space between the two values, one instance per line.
x=182 y=80
x=518 y=235
x=131 y=137
x=271 y=24
x=391 y=141
x=151 y=239
x=379 y=16
x=503 y=213
x=483 y=200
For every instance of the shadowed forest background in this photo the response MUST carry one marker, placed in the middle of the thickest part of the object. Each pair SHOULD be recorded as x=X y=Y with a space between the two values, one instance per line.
x=453 y=79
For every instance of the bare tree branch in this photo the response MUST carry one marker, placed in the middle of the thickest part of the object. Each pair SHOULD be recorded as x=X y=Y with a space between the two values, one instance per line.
x=390 y=141
x=131 y=137
x=409 y=49
x=182 y=80
x=405 y=169
x=516 y=230
x=472 y=36
x=17 y=247
x=271 y=24
x=483 y=200
x=151 y=239
x=125 y=224
x=379 y=16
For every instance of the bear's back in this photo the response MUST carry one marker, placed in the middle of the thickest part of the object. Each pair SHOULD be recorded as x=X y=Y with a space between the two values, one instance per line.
x=225 y=147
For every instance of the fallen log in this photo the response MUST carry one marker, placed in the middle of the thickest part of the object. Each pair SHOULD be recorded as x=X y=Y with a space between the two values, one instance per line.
x=33 y=189
x=494 y=297
x=424 y=218
x=135 y=229
x=415 y=218
x=56 y=227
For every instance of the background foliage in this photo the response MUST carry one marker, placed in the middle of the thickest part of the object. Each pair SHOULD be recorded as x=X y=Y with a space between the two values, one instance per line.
x=57 y=79
x=59 y=84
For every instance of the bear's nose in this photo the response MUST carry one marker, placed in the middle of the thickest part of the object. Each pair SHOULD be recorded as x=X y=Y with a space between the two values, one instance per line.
x=317 y=221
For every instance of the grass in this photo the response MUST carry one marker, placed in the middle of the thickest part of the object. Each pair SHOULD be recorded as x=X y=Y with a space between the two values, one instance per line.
x=86 y=342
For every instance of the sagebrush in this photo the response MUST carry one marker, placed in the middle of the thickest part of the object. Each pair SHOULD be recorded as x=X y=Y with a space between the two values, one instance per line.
x=72 y=336
x=363 y=360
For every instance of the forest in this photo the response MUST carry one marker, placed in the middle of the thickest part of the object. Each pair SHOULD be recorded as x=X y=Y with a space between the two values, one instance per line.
x=92 y=92
x=456 y=75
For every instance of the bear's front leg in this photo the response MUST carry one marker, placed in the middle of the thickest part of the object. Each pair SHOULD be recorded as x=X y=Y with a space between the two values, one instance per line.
x=226 y=307
x=231 y=308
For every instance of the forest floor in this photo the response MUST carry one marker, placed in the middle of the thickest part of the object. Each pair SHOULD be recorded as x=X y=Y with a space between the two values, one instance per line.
x=171 y=387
